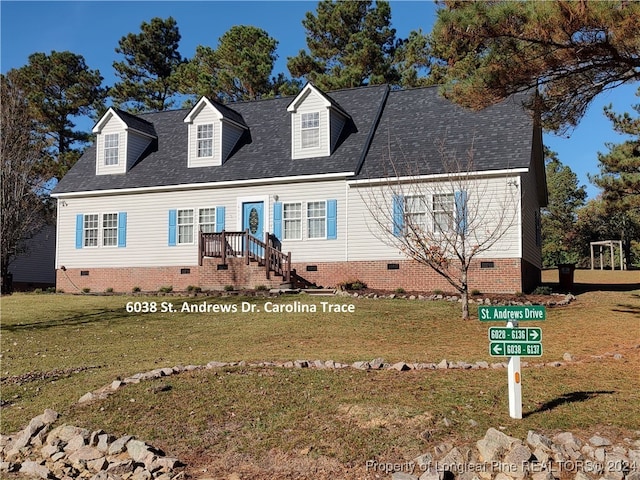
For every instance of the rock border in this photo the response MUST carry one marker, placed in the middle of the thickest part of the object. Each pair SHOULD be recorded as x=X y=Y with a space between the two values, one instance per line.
x=372 y=365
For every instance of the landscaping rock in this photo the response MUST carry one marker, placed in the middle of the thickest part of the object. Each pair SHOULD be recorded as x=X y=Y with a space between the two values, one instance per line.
x=494 y=445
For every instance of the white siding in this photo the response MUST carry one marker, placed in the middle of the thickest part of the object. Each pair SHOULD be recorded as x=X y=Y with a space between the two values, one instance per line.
x=490 y=201
x=337 y=124
x=113 y=125
x=205 y=116
x=137 y=144
x=147 y=224
x=312 y=103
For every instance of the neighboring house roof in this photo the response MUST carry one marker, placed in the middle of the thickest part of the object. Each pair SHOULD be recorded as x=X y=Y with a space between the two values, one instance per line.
x=409 y=123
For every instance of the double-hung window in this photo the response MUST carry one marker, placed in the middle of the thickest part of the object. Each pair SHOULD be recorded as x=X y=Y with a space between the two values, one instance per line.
x=310 y=130
x=111 y=141
x=443 y=212
x=292 y=221
x=317 y=219
x=90 y=230
x=207 y=220
x=415 y=209
x=110 y=230
x=185 y=226
x=205 y=140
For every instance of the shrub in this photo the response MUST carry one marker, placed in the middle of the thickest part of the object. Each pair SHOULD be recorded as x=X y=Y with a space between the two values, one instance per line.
x=51 y=289
x=400 y=290
x=261 y=288
x=37 y=291
x=135 y=289
x=166 y=289
x=475 y=292
x=86 y=290
x=438 y=292
x=352 y=285
x=109 y=290
x=541 y=290
x=229 y=288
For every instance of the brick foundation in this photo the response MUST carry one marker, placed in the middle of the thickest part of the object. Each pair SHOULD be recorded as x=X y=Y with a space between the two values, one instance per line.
x=488 y=276
x=503 y=277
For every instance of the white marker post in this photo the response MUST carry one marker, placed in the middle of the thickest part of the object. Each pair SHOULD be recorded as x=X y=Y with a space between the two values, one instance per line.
x=515 y=382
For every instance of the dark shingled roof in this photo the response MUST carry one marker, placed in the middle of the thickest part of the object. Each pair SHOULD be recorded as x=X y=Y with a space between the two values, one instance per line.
x=136 y=123
x=410 y=123
x=418 y=127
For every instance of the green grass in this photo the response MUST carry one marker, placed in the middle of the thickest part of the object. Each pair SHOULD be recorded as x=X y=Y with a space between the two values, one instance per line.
x=235 y=418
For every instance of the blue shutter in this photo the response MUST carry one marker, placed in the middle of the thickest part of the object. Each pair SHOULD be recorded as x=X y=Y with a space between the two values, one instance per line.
x=398 y=215
x=122 y=229
x=219 y=219
x=461 y=212
x=173 y=221
x=277 y=220
x=332 y=220
x=79 y=227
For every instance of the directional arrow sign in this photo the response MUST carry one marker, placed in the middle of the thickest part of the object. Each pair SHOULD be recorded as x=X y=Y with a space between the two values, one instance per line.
x=526 y=334
x=515 y=349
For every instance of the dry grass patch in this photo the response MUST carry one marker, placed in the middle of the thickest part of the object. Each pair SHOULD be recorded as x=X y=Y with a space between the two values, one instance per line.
x=277 y=423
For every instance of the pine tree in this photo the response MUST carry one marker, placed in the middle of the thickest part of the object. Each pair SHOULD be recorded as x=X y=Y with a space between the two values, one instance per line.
x=148 y=79
x=570 y=50
x=560 y=215
x=350 y=44
x=619 y=175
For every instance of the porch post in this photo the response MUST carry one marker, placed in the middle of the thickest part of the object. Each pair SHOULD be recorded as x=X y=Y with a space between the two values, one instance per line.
x=223 y=246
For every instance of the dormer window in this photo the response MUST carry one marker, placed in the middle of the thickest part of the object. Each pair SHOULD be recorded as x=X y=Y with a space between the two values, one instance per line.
x=121 y=140
x=214 y=132
x=310 y=130
x=317 y=124
x=205 y=140
x=111 y=141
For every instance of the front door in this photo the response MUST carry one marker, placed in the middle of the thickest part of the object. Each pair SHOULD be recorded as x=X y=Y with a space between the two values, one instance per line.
x=253 y=220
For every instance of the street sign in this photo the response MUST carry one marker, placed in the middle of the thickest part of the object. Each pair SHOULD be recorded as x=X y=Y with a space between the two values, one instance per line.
x=525 y=334
x=511 y=313
x=515 y=349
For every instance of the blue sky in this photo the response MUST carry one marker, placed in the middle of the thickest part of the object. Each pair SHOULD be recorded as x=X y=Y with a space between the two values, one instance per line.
x=92 y=29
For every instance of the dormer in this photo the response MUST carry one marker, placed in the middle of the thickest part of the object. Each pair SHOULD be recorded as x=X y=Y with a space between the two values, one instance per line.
x=316 y=123
x=214 y=131
x=121 y=138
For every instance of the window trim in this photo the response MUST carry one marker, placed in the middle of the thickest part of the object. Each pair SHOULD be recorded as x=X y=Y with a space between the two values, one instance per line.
x=109 y=149
x=307 y=219
x=212 y=224
x=103 y=229
x=200 y=140
x=407 y=213
x=300 y=219
x=85 y=230
x=451 y=213
x=192 y=224
x=315 y=127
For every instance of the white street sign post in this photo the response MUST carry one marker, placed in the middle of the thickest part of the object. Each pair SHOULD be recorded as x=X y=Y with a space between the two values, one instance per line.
x=513 y=342
x=515 y=383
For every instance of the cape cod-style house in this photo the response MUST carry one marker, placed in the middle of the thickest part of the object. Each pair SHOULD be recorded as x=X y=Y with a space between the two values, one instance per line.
x=280 y=190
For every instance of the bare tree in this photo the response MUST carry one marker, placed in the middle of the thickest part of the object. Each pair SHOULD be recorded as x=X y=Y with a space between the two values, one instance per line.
x=443 y=221
x=23 y=206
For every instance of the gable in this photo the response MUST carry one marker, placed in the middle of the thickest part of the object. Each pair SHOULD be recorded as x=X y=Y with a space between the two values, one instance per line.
x=213 y=132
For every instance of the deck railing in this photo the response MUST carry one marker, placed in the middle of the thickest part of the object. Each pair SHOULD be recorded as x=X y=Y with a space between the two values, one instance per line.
x=242 y=244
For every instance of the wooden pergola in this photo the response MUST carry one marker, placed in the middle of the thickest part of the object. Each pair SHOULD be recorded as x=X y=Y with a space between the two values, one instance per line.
x=611 y=244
